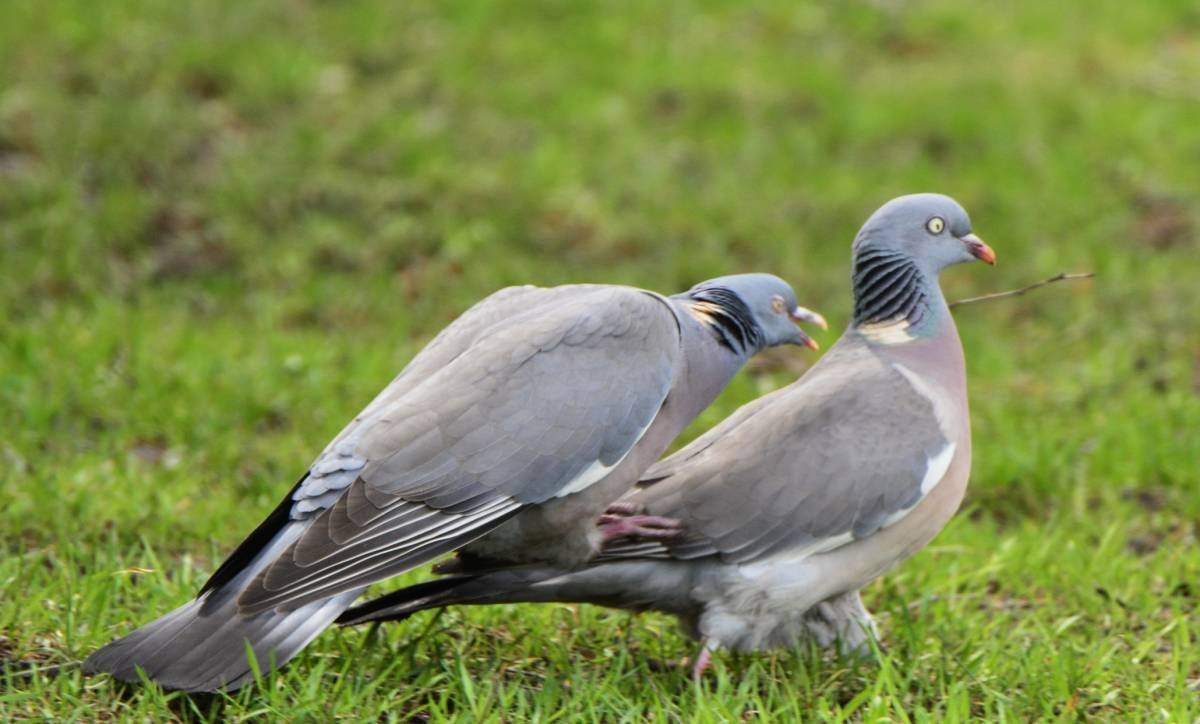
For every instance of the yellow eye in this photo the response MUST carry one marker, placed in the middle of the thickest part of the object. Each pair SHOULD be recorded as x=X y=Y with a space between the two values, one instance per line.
x=935 y=225
x=778 y=305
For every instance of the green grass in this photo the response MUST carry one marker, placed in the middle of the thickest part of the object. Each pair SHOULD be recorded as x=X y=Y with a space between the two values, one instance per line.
x=225 y=225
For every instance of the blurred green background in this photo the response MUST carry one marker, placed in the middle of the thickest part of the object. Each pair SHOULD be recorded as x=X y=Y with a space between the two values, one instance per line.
x=225 y=225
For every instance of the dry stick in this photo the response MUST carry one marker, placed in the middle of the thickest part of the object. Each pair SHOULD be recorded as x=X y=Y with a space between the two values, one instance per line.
x=1064 y=277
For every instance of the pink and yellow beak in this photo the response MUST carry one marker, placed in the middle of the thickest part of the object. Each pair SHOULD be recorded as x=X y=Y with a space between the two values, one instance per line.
x=979 y=250
x=801 y=314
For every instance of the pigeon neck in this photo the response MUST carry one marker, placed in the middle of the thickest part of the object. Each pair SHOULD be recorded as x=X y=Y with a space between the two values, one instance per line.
x=894 y=296
x=726 y=317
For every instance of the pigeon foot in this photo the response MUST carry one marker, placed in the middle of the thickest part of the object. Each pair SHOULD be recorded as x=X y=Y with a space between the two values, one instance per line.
x=624 y=507
x=703 y=661
x=650 y=527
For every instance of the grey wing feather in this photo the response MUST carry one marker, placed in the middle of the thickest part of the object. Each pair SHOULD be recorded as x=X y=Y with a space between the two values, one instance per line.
x=672 y=464
x=833 y=457
x=544 y=404
x=443 y=349
x=336 y=468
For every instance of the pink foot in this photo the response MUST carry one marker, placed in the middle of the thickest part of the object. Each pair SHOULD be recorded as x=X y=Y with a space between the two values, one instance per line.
x=703 y=661
x=651 y=527
x=624 y=507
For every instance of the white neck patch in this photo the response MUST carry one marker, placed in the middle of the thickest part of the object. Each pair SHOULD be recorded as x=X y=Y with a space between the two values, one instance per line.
x=891 y=332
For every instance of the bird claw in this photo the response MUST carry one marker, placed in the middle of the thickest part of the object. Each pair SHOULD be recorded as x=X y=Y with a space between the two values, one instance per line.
x=648 y=527
x=623 y=507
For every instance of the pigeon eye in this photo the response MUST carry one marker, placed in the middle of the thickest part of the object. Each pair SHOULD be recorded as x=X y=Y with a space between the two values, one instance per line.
x=935 y=225
x=778 y=304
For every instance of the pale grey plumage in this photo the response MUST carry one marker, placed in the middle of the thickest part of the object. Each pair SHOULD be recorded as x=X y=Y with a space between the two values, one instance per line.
x=537 y=407
x=851 y=401
x=801 y=497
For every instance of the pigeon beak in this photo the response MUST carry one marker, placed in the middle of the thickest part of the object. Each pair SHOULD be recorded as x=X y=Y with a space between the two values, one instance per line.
x=800 y=314
x=805 y=341
x=979 y=250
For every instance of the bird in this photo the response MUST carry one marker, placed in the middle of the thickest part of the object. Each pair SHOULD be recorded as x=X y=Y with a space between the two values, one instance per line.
x=505 y=437
x=800 y=498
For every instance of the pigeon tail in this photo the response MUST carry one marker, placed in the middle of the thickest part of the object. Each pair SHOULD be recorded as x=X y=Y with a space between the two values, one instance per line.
x=398 y=605
x=204 y=645
x=634 y=585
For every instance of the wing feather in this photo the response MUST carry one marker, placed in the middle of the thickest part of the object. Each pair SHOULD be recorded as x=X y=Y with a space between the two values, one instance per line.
x=438 y=459
x=845 y=450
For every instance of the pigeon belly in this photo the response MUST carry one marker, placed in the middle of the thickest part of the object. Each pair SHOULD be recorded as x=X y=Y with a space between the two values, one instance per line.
x=784 y=600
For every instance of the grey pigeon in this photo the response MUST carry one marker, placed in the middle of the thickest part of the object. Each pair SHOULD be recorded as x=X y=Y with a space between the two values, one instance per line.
x=507 y=435
x=803 y=496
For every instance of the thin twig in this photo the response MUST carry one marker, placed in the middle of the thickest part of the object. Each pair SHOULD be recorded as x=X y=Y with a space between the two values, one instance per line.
x=1064 y=277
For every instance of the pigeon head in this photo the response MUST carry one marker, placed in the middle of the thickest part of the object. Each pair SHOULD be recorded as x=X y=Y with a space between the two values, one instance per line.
x=899 y=253
x=931 y=229
x=748 y=312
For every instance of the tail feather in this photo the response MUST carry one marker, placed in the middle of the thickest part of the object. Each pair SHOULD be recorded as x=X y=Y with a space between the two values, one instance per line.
x=637 y=586
x=189 y=651
x=495 y=587
x=202 y=645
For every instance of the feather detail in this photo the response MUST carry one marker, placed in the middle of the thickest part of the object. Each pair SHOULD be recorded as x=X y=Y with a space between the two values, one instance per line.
x=727 y=316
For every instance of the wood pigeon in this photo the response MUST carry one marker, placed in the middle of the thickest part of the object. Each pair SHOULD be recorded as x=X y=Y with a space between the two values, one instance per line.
x=802 y=497
x=506 y=436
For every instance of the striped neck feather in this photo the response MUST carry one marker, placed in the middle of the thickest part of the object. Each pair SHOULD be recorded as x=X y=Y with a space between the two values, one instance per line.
x=889 y=289
x=727 y=317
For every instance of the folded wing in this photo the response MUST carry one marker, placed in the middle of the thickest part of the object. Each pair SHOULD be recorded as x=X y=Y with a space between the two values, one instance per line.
x=849 y=449
x=539 y=404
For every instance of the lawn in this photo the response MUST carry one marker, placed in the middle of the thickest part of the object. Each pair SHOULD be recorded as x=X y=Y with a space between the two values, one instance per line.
x=224 y=225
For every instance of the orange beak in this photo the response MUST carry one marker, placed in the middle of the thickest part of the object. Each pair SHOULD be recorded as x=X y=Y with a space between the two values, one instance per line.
x=979 y=250
x=801 y=314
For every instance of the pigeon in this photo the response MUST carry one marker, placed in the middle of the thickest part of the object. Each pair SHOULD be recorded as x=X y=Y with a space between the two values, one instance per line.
x=505 y=437
x=803 y=496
